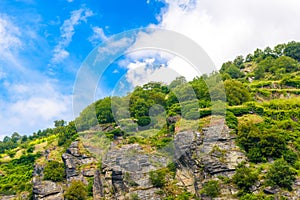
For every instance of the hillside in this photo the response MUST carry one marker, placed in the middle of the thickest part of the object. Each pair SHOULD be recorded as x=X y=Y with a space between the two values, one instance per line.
x=173 y=141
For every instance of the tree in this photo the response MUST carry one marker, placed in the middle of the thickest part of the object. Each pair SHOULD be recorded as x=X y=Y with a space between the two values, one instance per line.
x=279 y=49
x=15 y=137
x=76 y=191
x=59 y=123
x=286 y=63
x=177 y=82
x=234 y=72
x=292 y=50
x=281 y=174
x=236 y=93
x=239 y=62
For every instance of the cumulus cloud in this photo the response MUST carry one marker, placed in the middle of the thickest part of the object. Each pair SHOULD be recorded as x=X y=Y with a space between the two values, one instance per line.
x=67 y=31
x=226 y=29
x=32 y=107
x=147 y=70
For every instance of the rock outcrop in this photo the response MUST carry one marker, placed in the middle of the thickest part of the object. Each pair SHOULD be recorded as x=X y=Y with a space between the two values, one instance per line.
x=198 y=156
x=45 y=190
x=75 y=159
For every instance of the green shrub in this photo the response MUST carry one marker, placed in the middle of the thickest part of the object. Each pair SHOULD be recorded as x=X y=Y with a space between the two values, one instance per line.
x=244 y=178
x=231 y=120
x=54 y=171
x=211 y=189
x=144 y=121
x=290 y=156
x=256 y=197
x=11 y=153
x=30 y=149
x=134 y=196
x=76 y=191
x=158 y=178
x=281 y=174
x=239 y=110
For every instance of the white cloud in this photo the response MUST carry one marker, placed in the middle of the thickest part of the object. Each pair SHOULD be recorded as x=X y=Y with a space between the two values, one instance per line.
x=98 y=35
x=67 y=31
x=226 y=29
x=9 y=36
x=70 y=1
x=33 y=107
x=115 y=71
x=141 y=72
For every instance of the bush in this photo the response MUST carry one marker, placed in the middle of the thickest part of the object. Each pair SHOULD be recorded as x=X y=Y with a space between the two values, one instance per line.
x=144 y=121
x=54 y=171
x=30 y=149
x=231 y=120
x=134 y=196
x=211 y=189
x=76 y=191
x=157 y=178
x=244 y=178
x=281 y=174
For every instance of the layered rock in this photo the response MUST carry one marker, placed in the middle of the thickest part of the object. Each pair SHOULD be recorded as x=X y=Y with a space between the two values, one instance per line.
x=45 y=190
x=75 y=160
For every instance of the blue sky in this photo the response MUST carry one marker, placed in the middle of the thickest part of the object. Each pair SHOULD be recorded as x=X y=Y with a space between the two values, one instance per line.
x=44 y=43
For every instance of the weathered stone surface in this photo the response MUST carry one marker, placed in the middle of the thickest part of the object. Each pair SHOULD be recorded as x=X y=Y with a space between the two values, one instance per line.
x=271 y=190
x=10 y=197
x=71 y=164
x=98 y=192
x=47 y=190
x=131 y=158
x=73 y=159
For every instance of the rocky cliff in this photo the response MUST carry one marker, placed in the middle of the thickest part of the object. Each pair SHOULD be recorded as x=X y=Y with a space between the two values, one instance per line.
x=125 y=173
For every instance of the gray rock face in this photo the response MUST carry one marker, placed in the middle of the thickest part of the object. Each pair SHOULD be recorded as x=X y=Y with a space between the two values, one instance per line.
x=212 y=153
x=198 y=156
x=73 y=159
x=48 y=190
x=11 y=197
x=45 y=190
x=98 y=192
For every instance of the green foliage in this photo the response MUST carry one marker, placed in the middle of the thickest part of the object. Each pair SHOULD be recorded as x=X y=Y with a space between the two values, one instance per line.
x=293 y=50
x=261 y=141
x=244 y=178
x=231 y=120
x=134 y=196
x=76 y=191
x=17 y=175
x=236 y=92
x=114 y=133
x=211 y=189
x=281 y=174
x=256 y=197
x=66 y=134
x=90 y=186
x=54 y=171
x=158 y=178
x=144 y=121
x=30 y=149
